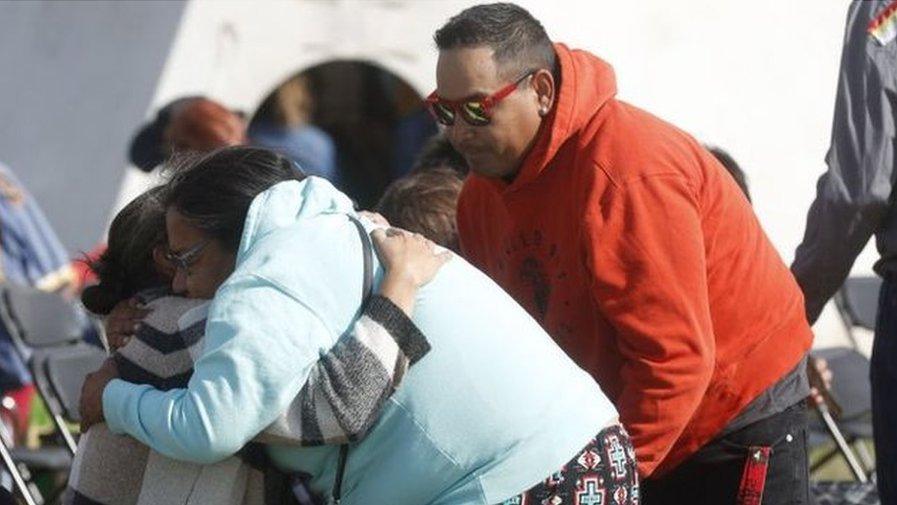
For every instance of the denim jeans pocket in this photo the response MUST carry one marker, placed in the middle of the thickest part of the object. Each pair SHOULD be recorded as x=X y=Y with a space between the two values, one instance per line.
x=787 y=471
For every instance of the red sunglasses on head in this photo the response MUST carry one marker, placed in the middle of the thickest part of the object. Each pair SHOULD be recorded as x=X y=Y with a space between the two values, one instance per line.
x=475 y=112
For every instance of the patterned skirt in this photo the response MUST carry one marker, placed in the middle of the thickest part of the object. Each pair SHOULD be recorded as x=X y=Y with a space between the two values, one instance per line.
x=602 y=473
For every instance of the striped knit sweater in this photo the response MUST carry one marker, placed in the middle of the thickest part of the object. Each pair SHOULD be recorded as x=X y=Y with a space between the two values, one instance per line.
x=339 y=403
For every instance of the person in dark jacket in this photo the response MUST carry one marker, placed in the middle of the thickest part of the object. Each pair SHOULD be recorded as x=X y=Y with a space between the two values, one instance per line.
x=855 y=200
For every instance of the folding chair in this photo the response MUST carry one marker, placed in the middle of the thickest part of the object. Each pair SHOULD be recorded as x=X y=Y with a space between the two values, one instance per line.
x=857 y=304
x=17 y=471
x=853 y=393
x=21 y=462
x=47 y=331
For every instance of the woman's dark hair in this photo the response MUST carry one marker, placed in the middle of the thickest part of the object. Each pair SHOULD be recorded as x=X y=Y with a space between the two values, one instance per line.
x=214 y=191
x=127 y=267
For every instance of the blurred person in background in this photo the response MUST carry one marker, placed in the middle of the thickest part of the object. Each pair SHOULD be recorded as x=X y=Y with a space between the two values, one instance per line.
x=201 y=124
x=731 y=166
x=855 y=200
x=638 y=254
x=438 y=152
x=193 y=123
x=426 y=200
x=412 y=130
x=30 y=255
x=283 y=123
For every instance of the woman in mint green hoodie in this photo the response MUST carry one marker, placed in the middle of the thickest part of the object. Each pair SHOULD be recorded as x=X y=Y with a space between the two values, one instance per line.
x=494 y=412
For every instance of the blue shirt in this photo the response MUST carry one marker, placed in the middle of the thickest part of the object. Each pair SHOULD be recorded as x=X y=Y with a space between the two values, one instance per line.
x=309 y=146
x=30 y=254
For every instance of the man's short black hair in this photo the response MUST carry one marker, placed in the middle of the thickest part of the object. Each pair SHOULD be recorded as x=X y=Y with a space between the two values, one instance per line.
x=518 y=40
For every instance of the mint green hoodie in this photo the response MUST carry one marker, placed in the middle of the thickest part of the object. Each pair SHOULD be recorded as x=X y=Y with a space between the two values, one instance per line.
x=494 y=408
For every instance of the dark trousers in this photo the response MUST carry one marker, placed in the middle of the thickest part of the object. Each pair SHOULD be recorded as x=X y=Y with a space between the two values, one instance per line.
x=883 y=374
x=713 y=475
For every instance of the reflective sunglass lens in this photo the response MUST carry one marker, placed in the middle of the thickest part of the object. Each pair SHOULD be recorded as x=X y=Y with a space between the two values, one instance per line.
x=475 y=113
x=444 y=114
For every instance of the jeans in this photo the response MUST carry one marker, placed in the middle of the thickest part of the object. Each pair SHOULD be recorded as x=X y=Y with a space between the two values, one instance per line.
x=713 y=475
x=883 y=374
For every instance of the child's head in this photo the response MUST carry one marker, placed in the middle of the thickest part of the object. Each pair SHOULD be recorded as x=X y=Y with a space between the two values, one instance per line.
x=134 y=258
x=439 y=153
x=425 y=202
x=732 y=167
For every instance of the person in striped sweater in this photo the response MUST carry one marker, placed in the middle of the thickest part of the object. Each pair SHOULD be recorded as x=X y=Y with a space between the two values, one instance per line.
x=338 y=404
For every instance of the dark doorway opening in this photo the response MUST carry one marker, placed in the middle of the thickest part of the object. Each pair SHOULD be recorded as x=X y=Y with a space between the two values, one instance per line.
x=353 y=122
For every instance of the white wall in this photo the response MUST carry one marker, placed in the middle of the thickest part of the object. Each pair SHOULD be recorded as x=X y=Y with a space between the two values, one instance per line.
x=75 y=77
x=757 y=78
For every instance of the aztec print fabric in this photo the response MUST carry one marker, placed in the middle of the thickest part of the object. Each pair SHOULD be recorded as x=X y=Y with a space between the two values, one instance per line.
x=603 y=473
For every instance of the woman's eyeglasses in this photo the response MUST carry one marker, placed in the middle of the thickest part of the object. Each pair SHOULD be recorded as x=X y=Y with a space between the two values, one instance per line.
x=475 y=112
x=182 y=261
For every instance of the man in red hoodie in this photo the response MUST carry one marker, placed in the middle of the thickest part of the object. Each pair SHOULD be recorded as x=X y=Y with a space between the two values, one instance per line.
x=637 y=251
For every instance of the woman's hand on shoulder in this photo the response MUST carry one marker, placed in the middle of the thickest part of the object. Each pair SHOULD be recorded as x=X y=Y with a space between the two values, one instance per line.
x=374 y=217
x=409 y=257
x=410 y=261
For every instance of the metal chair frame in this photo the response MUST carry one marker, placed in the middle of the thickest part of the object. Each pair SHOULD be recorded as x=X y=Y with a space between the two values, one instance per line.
x=37 y=355
x=852 y=448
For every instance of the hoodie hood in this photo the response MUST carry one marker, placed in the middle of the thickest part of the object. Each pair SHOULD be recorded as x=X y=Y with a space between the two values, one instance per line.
x=287 y=202
x=587 y=83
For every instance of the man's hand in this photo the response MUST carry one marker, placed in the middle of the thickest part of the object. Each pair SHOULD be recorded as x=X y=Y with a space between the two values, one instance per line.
x=821 y=384
x=91 y=407
x=122 y=322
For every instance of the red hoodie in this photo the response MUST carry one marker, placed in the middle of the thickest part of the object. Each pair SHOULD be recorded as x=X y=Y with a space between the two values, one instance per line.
x=639 y=254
